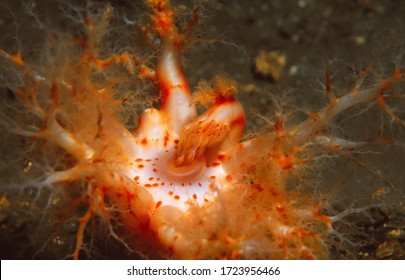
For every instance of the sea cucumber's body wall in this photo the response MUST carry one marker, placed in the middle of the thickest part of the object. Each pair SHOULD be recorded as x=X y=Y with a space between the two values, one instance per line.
x=311 y=35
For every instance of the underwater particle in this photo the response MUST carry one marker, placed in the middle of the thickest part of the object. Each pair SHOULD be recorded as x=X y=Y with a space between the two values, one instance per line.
x=395 y=233
x=270 y=64
x=358 y=40
x=390 y=249
x=380 y=193
x=4 y=202
x=27 y=166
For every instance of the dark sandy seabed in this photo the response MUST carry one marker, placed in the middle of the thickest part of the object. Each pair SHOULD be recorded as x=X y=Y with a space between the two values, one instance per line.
x=340 y=35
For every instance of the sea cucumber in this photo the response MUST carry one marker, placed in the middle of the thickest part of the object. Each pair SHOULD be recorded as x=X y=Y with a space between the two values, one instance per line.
x=175 y=183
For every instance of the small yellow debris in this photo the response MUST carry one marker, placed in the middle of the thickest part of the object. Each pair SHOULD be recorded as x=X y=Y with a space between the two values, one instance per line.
x=248 y=88
x=358 y=40
x=27 y=166
x=270 y=64
x=4 y=202
x=380 y=193
x=58 y=240
x=395 y=233
x=389 y=249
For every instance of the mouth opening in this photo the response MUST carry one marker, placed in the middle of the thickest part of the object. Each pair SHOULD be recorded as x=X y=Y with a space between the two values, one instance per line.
x=183 y=173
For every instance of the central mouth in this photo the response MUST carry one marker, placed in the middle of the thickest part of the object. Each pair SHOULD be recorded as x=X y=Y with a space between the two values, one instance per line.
x=184 y=174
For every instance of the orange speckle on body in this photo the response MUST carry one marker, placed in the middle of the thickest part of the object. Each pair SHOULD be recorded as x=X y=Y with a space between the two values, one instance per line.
x=284 y=160
x=17 y=58
x=280 y=208
x=166 y=139
x=20 y=92
x=136 y=178
x=176 y=197
x=236 y=254
x=158 y=204
x=103 y=62
x=125 y=99
x=257 y=187
x=388 y=140
x=273 y=192
x=151 y=178
x=385 y=84
x=241 y=121
x=314 y=116
x=221 y=157
x=278 y=128
x=144 y=141
x=170 y=192
x=322 y=217
x=140 y=166
x=194 y=196
x=398 y=73
x=170 y=248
